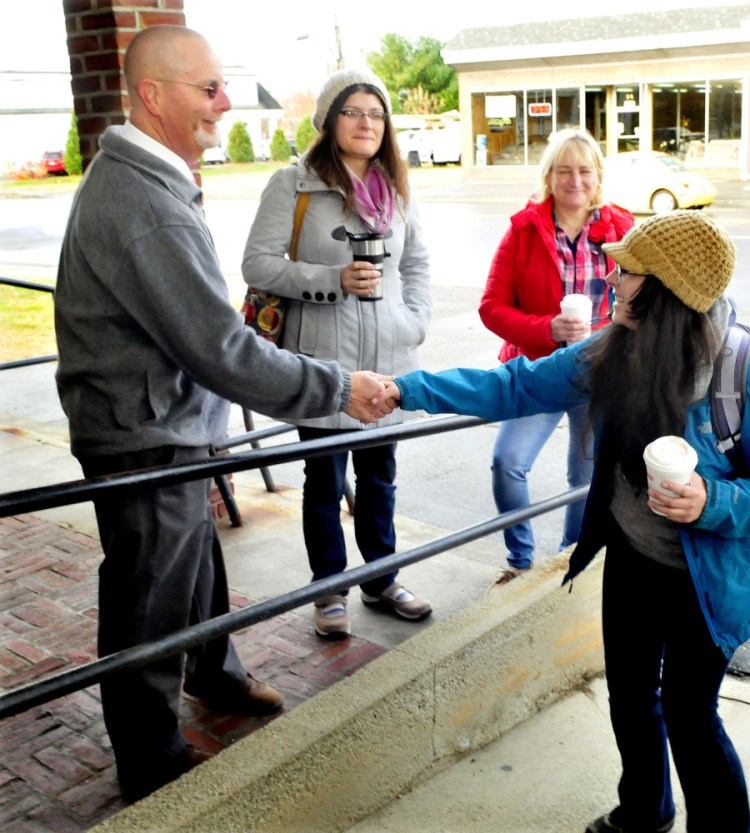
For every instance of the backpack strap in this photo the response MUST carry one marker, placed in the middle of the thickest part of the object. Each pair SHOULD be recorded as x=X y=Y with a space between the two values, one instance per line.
x=729 y=388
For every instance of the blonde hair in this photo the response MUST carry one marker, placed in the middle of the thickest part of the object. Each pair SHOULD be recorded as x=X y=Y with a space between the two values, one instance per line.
x=584 y=148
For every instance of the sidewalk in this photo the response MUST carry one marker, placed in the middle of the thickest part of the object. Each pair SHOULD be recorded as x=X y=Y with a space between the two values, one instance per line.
x=552 y=774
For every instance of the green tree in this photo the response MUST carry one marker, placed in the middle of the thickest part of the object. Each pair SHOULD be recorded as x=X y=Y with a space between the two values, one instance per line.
x=405 y=67
x=72 y=154
x=418 y=101
x=239 y=146
x=280 y=150
x=305 y=135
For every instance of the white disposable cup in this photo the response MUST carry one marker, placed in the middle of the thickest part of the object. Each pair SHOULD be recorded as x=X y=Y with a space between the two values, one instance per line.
x=579 y=306
x=669 y=458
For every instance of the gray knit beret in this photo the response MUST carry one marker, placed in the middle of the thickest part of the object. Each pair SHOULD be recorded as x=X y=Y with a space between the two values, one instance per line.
x=685 y=250
x=339 y=82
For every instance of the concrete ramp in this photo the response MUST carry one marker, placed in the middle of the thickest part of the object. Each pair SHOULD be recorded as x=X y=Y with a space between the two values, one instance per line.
x=436 y=698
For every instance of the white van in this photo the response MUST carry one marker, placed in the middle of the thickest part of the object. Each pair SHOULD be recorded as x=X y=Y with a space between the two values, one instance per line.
x=415 y=147
x=446 y=145
x=435 y=145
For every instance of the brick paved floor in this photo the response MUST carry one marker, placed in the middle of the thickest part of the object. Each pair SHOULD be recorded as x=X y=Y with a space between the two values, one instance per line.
x=56 y=769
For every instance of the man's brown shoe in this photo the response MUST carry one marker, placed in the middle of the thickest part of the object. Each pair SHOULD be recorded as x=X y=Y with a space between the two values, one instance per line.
x=251 y=697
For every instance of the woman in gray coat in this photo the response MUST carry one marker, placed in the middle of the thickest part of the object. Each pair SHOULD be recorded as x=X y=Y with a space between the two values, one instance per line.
x=342 y=309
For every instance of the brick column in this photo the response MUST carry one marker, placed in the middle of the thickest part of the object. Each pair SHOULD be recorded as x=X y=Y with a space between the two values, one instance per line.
x=98 y=35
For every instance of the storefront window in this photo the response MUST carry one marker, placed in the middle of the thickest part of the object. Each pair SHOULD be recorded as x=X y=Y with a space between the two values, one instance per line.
x=596 y=115
x=516 y=125
x=696 y=121
x=568 y=108
x=520 y=98
x=501 y=122
x=539 y=115
x=724 y=122
x=628 y=118
x=725 y=110
x=679 y=118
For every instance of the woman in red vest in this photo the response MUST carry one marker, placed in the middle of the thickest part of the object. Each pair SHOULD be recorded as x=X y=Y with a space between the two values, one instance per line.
x=552 y=249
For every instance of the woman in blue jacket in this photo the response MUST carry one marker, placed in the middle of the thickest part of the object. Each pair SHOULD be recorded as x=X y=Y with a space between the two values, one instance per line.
x=676 y=591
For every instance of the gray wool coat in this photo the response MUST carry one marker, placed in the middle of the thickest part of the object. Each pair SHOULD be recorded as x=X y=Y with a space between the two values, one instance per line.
x=323 y=322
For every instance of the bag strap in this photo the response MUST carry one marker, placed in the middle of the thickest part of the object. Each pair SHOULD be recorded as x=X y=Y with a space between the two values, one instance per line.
x=729 y=388
x=299 y=215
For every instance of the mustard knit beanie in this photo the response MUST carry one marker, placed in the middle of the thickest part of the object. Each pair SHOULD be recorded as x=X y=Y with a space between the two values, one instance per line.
x=340 y=82
x=685 y=250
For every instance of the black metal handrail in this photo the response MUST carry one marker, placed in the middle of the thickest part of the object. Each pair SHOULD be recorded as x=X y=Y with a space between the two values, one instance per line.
x=82 y=676
x=41 y=287
x=254 y=436
x=79 y=491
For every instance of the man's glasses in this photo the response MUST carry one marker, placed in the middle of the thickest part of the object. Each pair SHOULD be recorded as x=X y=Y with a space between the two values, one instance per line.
x=373 y=115
x=211 y=90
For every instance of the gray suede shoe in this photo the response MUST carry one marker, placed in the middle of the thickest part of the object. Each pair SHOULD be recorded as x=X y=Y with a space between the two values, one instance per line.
x=401 y=601
x=331 y=618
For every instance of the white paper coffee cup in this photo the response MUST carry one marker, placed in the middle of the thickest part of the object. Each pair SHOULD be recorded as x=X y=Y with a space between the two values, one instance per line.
x=669 y=458
x=579 y=306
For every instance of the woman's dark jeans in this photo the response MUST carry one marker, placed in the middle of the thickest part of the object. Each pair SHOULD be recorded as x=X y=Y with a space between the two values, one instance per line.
x=374 y=508
x=663 y=673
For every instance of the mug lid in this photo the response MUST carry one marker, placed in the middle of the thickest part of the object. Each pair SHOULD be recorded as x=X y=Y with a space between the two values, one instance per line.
x=365 y=235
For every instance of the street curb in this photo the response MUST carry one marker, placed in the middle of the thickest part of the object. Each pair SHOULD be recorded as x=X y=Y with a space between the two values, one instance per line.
x=406 y=716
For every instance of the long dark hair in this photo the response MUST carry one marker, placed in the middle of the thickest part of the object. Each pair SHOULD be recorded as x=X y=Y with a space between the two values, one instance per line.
x=324 y=157
x=643 y=379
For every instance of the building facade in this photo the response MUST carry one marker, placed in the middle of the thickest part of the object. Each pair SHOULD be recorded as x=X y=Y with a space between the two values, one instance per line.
x=37 y=108
x=676 y=81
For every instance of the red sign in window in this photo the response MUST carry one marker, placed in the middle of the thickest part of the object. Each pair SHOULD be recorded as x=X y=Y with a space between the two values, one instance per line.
x=543 y=108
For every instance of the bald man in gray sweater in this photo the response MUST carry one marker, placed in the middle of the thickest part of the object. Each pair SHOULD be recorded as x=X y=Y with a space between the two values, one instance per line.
x=151 y=355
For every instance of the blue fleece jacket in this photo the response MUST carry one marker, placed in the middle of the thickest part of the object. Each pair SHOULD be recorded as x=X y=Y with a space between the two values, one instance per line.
x=717 y=545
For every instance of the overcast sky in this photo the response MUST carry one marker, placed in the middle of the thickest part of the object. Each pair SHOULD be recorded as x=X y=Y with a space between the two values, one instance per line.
x=305 y=36
x=291 y=43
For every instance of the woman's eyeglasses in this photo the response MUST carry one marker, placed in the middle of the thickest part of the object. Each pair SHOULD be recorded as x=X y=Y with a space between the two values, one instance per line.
x=211 y=90
x=373 y=115
x=618 y=275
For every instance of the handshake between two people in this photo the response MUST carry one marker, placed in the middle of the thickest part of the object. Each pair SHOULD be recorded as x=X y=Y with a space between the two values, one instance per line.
x=373 y=396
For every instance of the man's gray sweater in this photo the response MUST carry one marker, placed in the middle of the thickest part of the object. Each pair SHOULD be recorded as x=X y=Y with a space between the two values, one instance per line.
x=151 y=350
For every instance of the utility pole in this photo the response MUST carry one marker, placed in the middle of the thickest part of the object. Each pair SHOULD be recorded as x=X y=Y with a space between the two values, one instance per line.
x=339 y=61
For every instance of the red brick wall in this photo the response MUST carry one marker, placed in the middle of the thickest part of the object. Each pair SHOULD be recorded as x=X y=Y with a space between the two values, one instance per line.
x=99 y=32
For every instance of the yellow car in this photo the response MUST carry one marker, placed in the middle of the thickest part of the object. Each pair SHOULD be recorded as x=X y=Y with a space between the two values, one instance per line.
x=648 y=181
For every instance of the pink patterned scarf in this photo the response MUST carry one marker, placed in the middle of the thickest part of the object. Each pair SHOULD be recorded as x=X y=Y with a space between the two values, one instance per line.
x=373 y=199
